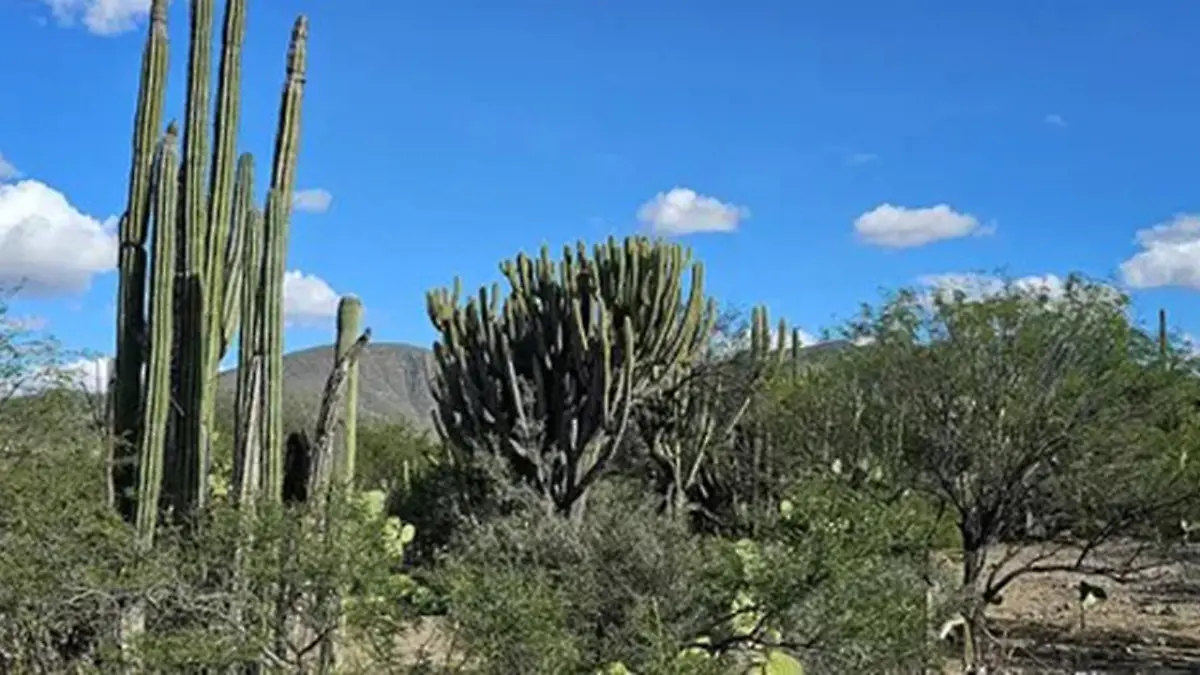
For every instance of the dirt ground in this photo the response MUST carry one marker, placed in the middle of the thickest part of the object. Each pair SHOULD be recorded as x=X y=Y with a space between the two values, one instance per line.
x=1147 y=625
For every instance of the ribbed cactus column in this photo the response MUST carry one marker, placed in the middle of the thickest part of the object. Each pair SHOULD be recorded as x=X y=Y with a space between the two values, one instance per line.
x=221 y=244
x=349 y=325
x=131 y=281
x=222 y=240
x=247 y=442
x=186 y=482
x=162 y=323
x=278 y=211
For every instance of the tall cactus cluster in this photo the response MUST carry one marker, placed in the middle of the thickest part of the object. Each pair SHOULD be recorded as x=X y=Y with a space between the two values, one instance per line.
x=216 y=266
x=548 y=376
x=696 y=413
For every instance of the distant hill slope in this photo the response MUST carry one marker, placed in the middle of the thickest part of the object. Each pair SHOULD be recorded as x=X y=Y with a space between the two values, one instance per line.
x=393 y=380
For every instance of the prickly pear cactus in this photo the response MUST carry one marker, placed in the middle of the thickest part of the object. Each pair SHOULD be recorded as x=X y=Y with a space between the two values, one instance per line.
x=399 y=534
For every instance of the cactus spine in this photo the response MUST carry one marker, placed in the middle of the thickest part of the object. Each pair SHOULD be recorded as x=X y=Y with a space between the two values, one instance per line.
x=218 y=265
x=349 y=325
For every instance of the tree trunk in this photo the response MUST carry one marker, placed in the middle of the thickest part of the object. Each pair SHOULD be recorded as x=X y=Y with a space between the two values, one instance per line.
x=973 y=612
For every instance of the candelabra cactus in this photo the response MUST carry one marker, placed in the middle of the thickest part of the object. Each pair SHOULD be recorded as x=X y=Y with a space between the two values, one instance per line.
x=217 y=265
x=550 y=380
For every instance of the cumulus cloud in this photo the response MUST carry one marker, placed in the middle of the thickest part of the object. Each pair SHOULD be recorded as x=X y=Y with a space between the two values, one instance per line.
x=307 y=299
x=101 y=17
x=684 y=211
x=983 y=285
x=47 y=246
x=7 y=170
x=315 y=200
x=81 y=374
x=893 y=226
x=1170 y=255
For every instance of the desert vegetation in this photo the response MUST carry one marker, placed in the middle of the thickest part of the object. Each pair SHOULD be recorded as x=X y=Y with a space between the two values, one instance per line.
x=624 y=475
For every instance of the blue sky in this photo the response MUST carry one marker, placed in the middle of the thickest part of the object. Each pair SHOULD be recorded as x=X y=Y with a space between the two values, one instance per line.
x=824 y=150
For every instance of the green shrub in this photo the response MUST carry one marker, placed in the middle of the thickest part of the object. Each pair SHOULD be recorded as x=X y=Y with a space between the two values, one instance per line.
x=68 y=569
x=532 y=593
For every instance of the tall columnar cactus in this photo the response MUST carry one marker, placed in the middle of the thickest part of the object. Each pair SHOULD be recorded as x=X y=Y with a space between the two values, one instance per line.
x=218 y=264
x=131 y=285
x=349 y=325
x=550 y=379
x=162 y=324
x=247 y=440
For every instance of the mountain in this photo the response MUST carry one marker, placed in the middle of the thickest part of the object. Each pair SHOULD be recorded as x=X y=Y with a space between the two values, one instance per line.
x=393 y=380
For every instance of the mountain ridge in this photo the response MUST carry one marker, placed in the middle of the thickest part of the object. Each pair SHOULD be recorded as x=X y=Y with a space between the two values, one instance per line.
x=394 y=380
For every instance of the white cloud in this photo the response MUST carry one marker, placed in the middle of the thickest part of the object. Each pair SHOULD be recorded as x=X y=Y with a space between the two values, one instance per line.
x=1055 y=120
x=901 y=227
x=82 y=374
x=316 y=200
x=977 y=286
x=684 y=211
x=1170 y=255
x=307 y=298
x=7 y=170
x=47 y=246
x=101 y=17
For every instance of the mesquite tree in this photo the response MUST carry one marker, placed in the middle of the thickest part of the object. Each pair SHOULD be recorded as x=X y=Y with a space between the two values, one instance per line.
x=988 y=403
x=548 y=376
